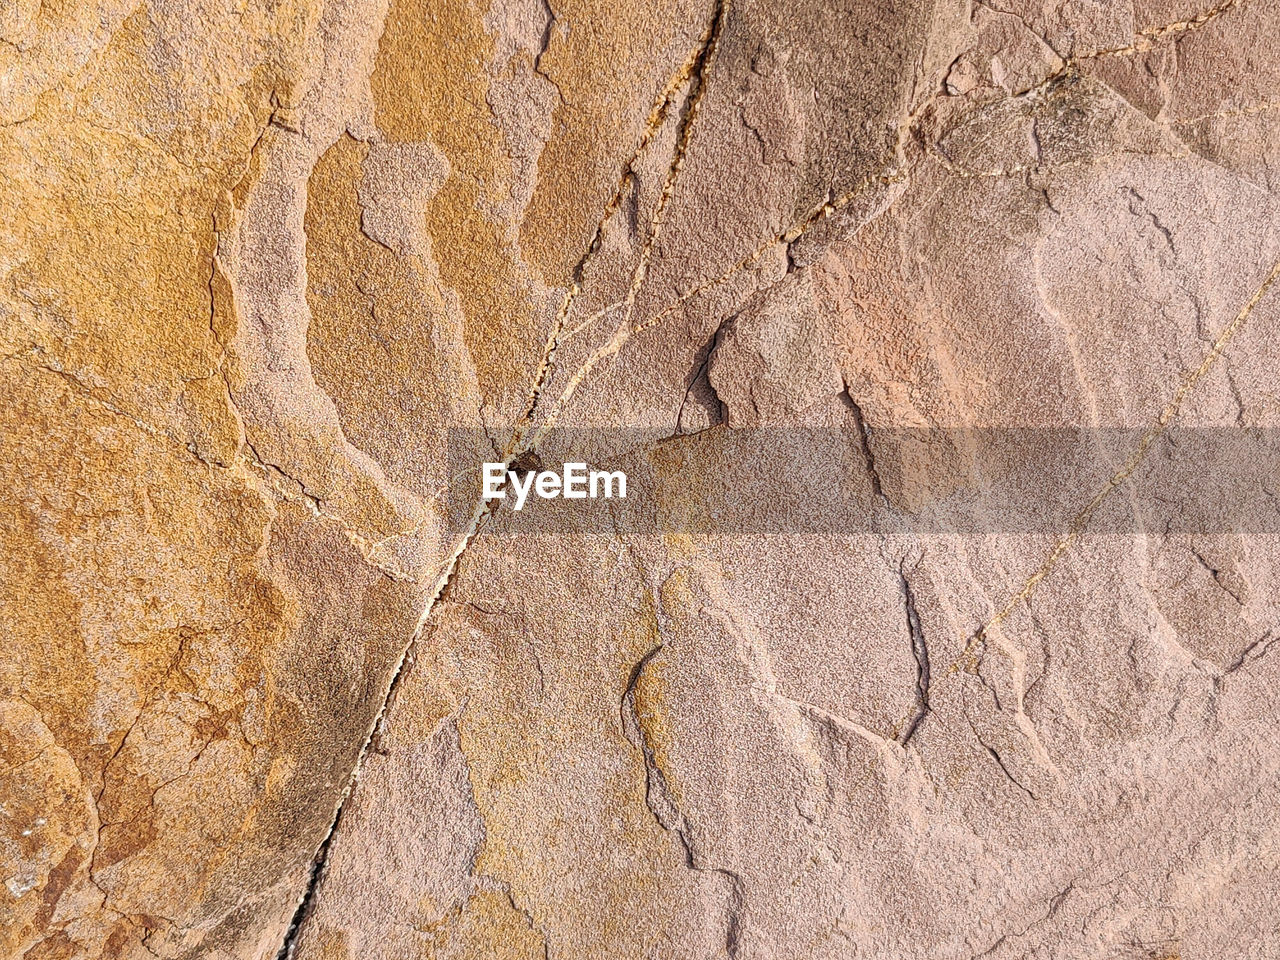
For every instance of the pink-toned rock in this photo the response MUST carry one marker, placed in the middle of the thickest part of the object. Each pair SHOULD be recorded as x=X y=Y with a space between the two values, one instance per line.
x=938 y=342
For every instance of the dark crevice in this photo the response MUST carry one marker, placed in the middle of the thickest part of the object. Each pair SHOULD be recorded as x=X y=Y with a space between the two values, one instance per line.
x=662 y=805
x=920 y=650
x=700 y=381
x=544 y=44
x=1139 y=207
x=278 y=471
x=995 y=755
x=545 y=41
x=864 y=441
x=1258 y=648
x=308 y=895
x=528 y=918
x=1216 y=574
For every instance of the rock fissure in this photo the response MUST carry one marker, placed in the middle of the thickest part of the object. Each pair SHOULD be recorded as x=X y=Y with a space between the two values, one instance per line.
x=483 y=509
x=920 y=651
x=662 y=805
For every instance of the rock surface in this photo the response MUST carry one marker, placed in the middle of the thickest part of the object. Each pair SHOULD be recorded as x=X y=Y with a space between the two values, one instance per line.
x=874 y=661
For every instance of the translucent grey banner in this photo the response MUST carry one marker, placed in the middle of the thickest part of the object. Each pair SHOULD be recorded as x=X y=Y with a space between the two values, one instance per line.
x=970 y=481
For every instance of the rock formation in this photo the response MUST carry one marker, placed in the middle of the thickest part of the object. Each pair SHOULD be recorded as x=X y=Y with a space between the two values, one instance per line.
x=939 y=342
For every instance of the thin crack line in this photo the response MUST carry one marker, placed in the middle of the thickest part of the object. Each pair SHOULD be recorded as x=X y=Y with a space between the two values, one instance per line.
x=484 y=508
x=969 y=656
x=1157 y=430
x=625 y=332
x=1148 y=38
x=655 y=122
x=888 y=176
x=700 y=72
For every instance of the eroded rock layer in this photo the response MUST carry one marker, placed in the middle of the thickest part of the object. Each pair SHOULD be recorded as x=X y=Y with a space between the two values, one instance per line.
x=938 y=339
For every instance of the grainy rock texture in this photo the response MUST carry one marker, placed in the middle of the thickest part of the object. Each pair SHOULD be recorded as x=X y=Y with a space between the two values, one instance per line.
x=873 y=662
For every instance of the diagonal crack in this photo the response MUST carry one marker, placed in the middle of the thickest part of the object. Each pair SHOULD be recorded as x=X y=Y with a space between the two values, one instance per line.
x=654 y=123
x=698 y=72
x=1216 y=574
x=1085 y=514
x=920 y=650
x=695 y=66
x=1253 y=652
x=994 y=754
x=1146 y=39
x=968 y=657
x=864 y=442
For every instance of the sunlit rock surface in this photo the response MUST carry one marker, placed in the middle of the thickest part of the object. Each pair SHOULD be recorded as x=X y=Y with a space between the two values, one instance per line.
x=928 y=629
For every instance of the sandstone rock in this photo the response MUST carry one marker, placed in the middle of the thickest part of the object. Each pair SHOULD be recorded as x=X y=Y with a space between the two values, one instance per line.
x=938 y=342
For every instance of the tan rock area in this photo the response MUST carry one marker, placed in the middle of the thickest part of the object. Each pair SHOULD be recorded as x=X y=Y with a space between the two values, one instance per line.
x=939 y=343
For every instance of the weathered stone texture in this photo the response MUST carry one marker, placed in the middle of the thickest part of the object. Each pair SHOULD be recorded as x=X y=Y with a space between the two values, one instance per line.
x=275 y=277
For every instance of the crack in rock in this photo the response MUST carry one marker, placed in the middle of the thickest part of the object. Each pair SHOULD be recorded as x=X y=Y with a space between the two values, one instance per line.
x=667 y=813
